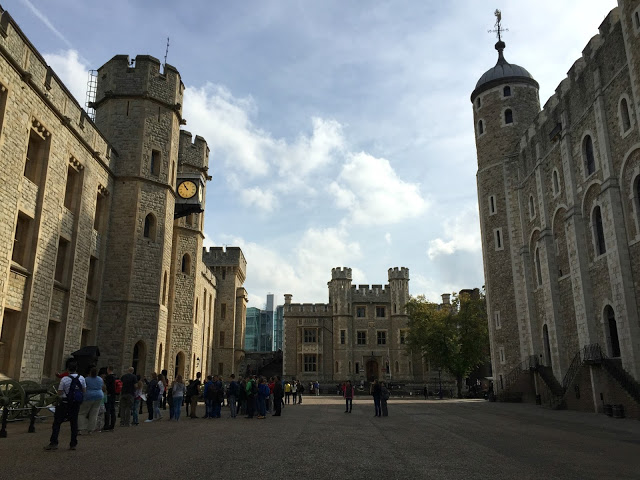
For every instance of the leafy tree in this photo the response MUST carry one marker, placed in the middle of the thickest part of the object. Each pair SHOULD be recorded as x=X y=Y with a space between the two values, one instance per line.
x=454 y=338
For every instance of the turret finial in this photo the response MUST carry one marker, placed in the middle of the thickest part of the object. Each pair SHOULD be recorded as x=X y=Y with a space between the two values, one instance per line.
x=499 y=30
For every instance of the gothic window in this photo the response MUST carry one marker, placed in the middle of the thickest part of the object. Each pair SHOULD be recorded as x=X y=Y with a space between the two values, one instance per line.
x=480 y=127
x=587 y=152
x=556 y=183
x=598 y=231
x=506 y=91
x=538 y=267
x=492 y=205
x=150 y=227
x=362 y=337
x=186 y=264
x=625 y=119
x=381 y=337
x=532 y=207
x=508 y=116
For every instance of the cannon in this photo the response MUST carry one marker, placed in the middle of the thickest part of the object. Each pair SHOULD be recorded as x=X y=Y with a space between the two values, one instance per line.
x=21 y=397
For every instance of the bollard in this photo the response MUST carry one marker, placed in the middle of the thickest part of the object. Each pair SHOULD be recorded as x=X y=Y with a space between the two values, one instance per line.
x=5 y=414
x=32 y=423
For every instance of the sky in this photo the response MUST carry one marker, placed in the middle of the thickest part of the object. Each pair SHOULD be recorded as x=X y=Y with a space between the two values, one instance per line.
x=341 y=133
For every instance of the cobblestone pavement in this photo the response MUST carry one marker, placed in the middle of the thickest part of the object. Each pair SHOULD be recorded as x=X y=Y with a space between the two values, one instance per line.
x=445 y=439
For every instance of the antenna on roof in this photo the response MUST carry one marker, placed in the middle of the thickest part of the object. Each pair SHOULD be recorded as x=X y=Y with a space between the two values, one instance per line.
x=166 y=52
x=498 y=26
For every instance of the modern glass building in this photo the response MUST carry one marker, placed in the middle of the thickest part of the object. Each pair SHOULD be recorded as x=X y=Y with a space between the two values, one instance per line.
x=260 y=328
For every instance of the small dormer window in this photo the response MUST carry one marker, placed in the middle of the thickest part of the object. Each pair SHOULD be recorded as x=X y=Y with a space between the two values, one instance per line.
x=506 y=91
x=508 y=116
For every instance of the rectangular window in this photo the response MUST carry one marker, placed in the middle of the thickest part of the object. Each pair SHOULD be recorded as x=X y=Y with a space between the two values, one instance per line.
x=503 y=358
x=310 y=364
x=380 y=312
x=221 y=337
x=21 y=240
x=382 y=337
x=357 y=367
x=91 y=281
x=36 y=164
x=361 y=312
x=310 y=335
x=403 y=337
x=101 y=210
x=343 y=337
x=498 y=238
x=223 y=311
x=72 y=191
x=362 y=337
x=492 y=205
x=497 y=318
x=154 y=166
x=61 y=261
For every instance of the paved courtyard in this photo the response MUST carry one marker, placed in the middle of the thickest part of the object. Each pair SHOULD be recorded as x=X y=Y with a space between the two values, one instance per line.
x=433 y=439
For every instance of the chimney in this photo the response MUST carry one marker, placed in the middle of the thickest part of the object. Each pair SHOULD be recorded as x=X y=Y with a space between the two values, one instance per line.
x=446 y=299
x=287 y=298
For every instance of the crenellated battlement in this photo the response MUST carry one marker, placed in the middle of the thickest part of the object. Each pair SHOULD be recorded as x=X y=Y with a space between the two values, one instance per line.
x=194 y=153
x=341 y=273
x=309 y=308
x=396 y=273
x=224 y=257
x=583 y=79
x=142 y=78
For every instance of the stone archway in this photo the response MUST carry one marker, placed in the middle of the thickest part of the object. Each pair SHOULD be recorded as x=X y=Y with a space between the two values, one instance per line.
x=372 y=370
x=139 y=359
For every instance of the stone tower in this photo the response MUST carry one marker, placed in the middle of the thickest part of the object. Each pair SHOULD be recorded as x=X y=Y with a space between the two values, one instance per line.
x=190 y=318
x=139 y=109
x=505 y=102
x=340 y=300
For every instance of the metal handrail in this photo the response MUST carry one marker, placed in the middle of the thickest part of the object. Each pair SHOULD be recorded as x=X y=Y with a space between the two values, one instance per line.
x=576 y=363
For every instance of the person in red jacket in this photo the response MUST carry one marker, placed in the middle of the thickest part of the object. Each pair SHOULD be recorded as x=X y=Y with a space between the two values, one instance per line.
x=348 y=392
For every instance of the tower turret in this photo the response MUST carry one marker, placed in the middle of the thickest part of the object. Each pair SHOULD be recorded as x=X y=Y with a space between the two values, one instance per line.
x=340 y=290
x=399 y=286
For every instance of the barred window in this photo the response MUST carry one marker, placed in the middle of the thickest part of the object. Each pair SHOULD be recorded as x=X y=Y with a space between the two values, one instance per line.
x=362 y=337
x=310 y=363
x=382 y=337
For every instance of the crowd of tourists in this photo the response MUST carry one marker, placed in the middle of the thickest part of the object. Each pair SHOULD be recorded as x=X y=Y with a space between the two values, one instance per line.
x=89 y=403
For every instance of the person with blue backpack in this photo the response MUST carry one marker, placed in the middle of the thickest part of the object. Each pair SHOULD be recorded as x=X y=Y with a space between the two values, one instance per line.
x=263 y=394
x=70 y=395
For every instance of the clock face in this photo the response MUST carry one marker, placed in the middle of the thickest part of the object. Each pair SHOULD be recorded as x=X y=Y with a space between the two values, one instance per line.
x=187 y=189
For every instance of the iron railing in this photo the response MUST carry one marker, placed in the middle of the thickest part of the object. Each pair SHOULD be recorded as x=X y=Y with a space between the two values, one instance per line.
x=576 y=363
x=592 y=353
x=623 y=377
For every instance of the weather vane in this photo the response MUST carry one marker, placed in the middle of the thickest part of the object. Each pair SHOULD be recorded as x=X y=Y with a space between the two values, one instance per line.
x=498 y=26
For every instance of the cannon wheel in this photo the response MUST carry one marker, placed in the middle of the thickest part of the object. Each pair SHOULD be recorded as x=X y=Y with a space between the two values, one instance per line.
x=12 y=395
x=32 y=399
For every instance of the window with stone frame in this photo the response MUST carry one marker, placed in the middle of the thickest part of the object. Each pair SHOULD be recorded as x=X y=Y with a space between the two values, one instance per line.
x=555 y=183
x=403 y=336
x=310 y=362
x=310 y=335
x=343 y=337
x=186 y=264
x=498 y=323
x=381 y=336
x=37 y=156
x=221 y=338
x=480 y=127
x=492 y=205
x=598 y=231
x=625 y=118
x=588 y=155
x=73 y=189
x=149 y=230
x=154 y=163
x=361 y=312
x=22 y=240
x=503 y=357
x=99 y=220
x=361 y=337
x=506 y=91
x=497 y=233
x=508 y=116
x=62 y=264
x=380 y=312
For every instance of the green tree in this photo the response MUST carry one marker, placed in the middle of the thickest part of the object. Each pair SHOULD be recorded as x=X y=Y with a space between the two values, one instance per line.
x=454 y=338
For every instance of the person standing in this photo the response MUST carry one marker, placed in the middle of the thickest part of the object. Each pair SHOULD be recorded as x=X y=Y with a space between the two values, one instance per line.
x=348 y=393
x=165 y=374
x=194 y=393
x=127 y=393
x=232 y=395
x=263 y=394
x=137 y=400
x=177 y=393
x=316 y=387
x=287 y=392
x=300 y=388
x=375 y=391
x=110 y=413
x=252 y=392
x=277 y=397
x=425 y=392
x=294 y=391
x=209 y=395
x=88 y=414
x=156 y=403
x=271 y=384
x=384 y=396
x=152 y=395
x=71 y=391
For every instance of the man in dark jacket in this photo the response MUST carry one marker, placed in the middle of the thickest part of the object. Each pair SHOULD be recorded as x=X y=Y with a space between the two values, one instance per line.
x=278 y=393
x=110 y=413
x=129 y=381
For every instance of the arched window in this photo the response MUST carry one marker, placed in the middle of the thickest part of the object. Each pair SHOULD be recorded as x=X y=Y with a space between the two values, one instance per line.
x=556 y=183
x=139 y=357
x=506 y=91
x=611 y=326
x=538 y=267
x=150 y=227
x=164 y=289
x=186 y=264
x=480 y=127
x=179 y=366
x=160 y=361
x=508 y=116
x=598 y=231
x=587 y=151
x=625 y=119
x=532 y=207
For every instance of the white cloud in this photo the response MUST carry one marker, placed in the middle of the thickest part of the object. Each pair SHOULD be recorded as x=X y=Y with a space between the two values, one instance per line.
x=374 y=194
x=72 y=70
x=461 y=232
x=261 y=199
x=387 y=238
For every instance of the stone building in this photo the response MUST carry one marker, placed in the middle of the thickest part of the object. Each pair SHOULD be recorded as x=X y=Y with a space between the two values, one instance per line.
x=359 y=334
x=558 y=194
x=91 y=249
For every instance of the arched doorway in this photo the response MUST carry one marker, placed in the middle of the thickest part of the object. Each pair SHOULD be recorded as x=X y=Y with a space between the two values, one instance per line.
x=613 y=342
x=547 y=346
x=139 y=358
x=179 y=367
x=372 y=370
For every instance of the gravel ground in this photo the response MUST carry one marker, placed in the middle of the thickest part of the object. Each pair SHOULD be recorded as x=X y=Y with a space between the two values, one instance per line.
x=446 y=439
